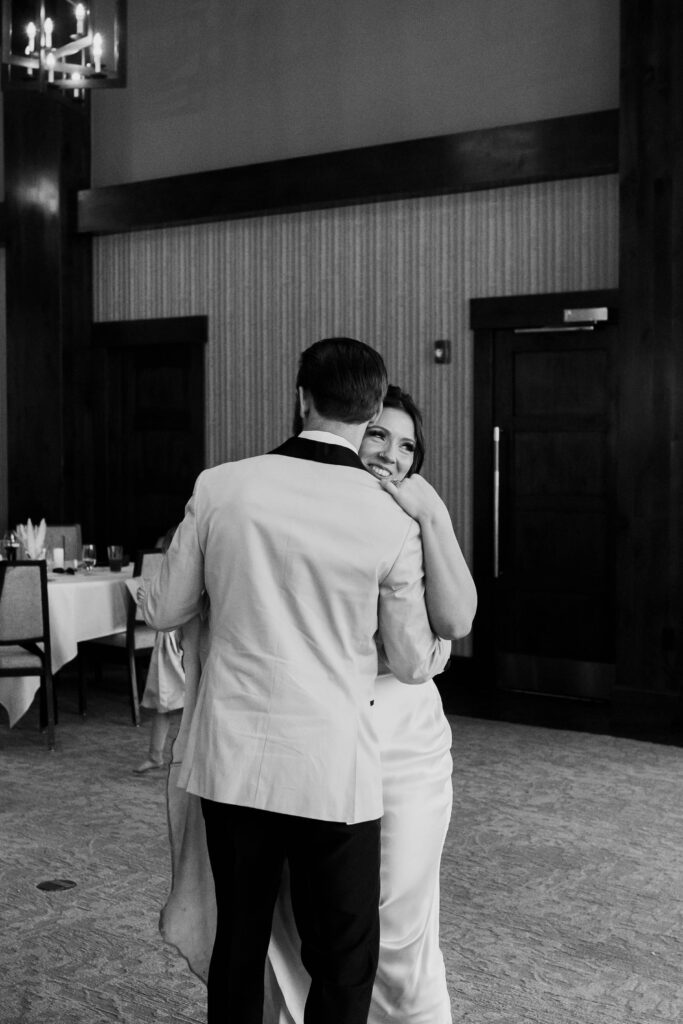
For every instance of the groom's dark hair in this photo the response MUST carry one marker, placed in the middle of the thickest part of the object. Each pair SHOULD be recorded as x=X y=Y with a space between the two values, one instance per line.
x=346 y=379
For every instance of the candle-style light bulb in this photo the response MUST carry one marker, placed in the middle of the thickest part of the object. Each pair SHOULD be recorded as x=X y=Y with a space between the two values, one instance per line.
x=49 y=26
x=80 y=18
x=50 y=62
x=97 y=48
x=31 y=35
x=77 y=77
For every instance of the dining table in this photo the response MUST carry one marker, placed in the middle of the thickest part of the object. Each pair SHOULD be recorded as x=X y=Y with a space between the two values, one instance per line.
x=82 y=606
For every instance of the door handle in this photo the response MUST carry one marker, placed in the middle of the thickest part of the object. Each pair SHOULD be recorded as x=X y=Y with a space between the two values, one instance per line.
x=496 y=502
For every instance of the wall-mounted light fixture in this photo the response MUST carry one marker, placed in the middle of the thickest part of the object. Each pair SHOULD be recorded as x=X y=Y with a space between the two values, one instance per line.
x=60 y=44
x=442 y=351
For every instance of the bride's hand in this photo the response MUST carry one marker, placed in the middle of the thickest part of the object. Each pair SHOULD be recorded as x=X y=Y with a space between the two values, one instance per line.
x=416 y=497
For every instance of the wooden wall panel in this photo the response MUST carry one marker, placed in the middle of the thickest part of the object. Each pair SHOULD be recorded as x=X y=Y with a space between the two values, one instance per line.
x=3 y=397
x=650 y=479
x=398 y=275
x=49 y=307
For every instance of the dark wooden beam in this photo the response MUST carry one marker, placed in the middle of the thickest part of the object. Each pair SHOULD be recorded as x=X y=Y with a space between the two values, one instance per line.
x=650 y=479
x=566 y=147
x=3 y=225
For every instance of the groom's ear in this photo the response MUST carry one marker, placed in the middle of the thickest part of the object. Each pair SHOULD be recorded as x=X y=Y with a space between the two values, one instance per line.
x=378 y=413
x=304 y=400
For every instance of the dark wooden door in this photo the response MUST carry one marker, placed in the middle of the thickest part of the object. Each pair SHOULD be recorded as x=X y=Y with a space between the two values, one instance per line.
x=150 y=427
x=545 y=524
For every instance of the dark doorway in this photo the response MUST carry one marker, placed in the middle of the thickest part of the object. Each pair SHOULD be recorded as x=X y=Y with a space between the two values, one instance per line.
x=545 y=482
x=149 y=426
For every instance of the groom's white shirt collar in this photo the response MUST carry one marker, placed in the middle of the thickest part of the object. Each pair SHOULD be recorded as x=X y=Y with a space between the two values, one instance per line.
x=325 y=437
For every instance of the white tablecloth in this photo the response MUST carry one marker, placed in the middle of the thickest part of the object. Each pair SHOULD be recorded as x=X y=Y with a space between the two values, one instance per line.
x=82 y=607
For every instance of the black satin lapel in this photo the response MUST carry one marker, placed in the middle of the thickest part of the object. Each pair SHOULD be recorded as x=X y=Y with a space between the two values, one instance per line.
x=318 y=451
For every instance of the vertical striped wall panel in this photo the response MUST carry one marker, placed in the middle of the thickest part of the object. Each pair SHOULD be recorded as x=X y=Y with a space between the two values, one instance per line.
x=397 y=275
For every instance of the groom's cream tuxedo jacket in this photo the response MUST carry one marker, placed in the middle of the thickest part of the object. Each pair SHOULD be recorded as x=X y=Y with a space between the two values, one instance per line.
x=305 y=560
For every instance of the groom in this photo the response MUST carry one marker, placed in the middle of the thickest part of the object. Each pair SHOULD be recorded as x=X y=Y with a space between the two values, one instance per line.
x=305 y=560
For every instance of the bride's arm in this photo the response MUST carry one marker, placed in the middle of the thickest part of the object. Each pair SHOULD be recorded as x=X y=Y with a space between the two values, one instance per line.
x=450 y=594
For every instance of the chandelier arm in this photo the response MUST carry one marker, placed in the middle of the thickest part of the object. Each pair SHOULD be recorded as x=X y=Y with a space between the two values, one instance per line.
x=63 y=67
x=74 y=47
x=22 y=62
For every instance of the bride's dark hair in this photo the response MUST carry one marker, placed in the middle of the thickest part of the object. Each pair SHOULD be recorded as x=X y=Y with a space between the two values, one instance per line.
x=395 y=398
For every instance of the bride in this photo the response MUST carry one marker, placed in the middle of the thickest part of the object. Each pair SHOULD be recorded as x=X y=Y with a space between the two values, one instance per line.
x=415 y=743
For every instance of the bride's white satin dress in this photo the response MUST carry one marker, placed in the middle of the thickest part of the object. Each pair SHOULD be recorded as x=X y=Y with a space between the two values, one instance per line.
x=410 y=987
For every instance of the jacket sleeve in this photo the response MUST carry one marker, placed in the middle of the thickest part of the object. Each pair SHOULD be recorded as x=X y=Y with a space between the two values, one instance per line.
x=174 y=596
x=413 y=652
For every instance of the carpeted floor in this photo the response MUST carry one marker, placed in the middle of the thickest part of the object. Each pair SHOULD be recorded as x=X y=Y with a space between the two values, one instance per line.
x=562 y=883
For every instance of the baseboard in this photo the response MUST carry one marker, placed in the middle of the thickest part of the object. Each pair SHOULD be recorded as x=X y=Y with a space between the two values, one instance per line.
x=636 y=714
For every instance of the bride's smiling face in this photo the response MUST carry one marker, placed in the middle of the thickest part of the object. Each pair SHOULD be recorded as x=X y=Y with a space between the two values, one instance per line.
x=388 y=447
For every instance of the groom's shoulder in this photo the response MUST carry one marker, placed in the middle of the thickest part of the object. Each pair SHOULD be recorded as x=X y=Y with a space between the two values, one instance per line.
x=231 y=468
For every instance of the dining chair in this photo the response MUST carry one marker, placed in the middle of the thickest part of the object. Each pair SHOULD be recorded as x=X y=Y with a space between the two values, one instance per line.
x=69 y=537
x=136 y=639
x=25 y=632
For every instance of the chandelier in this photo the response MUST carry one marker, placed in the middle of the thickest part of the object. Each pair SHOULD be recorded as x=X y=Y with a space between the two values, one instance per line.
x=63 y=45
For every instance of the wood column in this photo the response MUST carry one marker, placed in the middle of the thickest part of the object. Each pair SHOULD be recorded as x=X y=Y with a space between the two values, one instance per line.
x=49 y=305
x=650 y=456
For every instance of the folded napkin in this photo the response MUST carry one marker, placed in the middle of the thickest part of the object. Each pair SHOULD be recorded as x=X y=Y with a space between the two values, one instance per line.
x=32 y=538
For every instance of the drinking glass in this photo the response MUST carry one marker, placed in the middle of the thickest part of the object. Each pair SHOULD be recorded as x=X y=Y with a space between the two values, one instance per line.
x=89 y=557
x=10 y=546
x=115 y=554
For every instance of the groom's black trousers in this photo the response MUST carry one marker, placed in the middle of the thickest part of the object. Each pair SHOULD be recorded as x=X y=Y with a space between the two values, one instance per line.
x=334 y=871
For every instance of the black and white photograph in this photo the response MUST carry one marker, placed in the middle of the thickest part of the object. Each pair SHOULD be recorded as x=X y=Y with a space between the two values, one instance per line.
x=341 y=511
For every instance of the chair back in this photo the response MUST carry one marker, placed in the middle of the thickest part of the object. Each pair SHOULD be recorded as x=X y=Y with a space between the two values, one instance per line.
x=71 y=538
x=23 y=602
x=147 y=565
x=25 y=622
